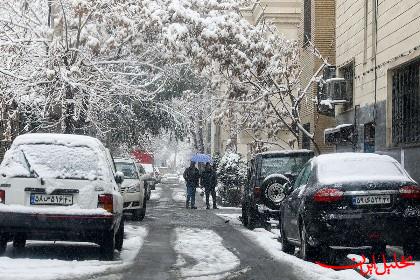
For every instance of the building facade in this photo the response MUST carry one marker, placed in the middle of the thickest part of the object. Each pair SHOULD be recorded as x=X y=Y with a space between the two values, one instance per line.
x=378 y=55
x=317 y=28
x=285 y=14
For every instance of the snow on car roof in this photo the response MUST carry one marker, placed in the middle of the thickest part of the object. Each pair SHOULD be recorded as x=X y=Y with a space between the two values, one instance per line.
x=70 y=156
x=285 y=152
x=346 y=167
x=59 y=139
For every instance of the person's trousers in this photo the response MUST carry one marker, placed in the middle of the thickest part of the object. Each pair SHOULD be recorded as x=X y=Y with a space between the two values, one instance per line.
x=211 y=191
x=190 y=195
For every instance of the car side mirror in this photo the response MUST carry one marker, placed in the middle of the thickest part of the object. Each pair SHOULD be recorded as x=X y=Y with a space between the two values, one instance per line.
x=119 y=177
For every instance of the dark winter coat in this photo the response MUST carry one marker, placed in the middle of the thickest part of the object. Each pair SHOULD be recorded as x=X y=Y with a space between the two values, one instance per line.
x=209 y=179
x=192 y=176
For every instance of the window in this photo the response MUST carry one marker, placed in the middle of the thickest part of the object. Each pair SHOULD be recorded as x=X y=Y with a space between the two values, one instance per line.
x=369 y=138
x=307 y=22
x=306 y=141
x=406 y=104
x=347 y=72
x=303 y=176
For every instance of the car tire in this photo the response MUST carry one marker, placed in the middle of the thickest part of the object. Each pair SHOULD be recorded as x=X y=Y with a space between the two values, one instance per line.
x=272 y=191
x=286 y=246
x=307 y=252
x=139 y=214
x=4 y=238
x=119 y=237
x=412 y=250
x=251 y=216
x=107 y=245
x=19 y=241
x=377 y=250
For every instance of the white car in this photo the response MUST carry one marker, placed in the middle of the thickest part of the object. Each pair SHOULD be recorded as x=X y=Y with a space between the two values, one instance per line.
x=170 y=179
x=60 y=187
x=132 y=188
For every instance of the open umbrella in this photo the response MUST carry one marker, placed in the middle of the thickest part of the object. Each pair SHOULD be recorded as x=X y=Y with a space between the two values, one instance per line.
x=201 y=158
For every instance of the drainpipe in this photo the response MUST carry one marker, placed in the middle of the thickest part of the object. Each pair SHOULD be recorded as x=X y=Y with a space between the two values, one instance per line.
x=355 y=139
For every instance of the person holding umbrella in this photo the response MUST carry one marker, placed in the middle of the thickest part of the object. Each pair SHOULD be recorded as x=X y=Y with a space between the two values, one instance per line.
x=192 y=177
x=209 y=182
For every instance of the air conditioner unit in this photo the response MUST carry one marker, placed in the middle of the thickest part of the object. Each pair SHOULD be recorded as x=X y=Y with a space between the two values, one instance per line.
x=340 y=134
x=336 y=90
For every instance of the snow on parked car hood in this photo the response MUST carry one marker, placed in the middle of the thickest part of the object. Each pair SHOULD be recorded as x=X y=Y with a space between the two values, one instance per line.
x=55 y=156
x=345 y=167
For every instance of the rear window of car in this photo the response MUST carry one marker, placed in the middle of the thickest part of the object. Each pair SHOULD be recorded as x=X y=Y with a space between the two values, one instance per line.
x=52 y=161
x=343 y=170
x=284 y=164
x=128 y=169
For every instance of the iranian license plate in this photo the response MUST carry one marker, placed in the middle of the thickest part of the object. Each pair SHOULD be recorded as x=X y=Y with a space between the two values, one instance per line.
x=51 y=199
x=371 y=199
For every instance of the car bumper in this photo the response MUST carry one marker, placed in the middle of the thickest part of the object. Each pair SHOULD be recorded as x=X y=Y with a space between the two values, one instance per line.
x=57 y=226
x=354 y=230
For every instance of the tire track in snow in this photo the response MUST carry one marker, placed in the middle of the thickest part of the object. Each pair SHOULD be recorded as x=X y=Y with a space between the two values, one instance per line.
x=201 y=255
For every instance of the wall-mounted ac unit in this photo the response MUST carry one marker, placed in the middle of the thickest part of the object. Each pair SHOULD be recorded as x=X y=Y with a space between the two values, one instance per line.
x=336 y=90
x=340 y=134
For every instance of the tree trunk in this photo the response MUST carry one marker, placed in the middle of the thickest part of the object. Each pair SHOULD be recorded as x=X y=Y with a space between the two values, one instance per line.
x=69 y=122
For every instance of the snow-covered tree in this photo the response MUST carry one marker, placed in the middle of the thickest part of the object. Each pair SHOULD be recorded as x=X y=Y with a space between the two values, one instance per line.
x=231 y=174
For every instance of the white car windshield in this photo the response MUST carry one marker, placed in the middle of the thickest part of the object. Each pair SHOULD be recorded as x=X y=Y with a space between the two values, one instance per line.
x=52 y=161
x=129 y=170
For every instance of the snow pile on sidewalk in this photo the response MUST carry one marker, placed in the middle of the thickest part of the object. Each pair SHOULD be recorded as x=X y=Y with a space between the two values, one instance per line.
x=407 y=273
x=40 y=261
x=156 y=193
x=180 y=195
x=308 y=270
x=201 y=255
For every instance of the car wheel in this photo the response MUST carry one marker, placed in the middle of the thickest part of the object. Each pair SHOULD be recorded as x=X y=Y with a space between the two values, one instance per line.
x=139 y=214
x=251 y=216
x=285 y=244
x=412 y=250
x=119 y=237
x=273 y=191
x=378 y=250
x=19 y=241
x=4 y=238
x=307 y=252
x=107 y=245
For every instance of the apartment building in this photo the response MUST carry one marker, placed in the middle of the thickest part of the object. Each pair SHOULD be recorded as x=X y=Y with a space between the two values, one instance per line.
x=285 y=14
x=378 y=56
x=317 y=28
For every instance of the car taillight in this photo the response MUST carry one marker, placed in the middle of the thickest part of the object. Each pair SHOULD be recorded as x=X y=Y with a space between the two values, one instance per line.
x=105 y=201
x=328 y=195
x=410 y=192
x=2 y=196
x=257 y=192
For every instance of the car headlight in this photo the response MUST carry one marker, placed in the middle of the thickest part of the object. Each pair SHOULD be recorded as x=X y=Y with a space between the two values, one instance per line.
x=133 y=188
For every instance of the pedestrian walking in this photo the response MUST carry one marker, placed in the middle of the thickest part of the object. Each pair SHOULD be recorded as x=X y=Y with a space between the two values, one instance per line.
x=192 y=178
x=209 y=182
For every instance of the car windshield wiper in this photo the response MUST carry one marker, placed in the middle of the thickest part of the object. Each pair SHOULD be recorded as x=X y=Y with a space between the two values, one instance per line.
x=32 y=171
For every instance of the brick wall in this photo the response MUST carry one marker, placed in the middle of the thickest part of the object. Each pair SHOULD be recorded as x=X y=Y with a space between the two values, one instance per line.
x=323 y=36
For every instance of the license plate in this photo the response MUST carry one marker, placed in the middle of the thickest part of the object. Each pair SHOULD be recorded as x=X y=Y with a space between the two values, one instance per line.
x=371 y=199
x=51 y=199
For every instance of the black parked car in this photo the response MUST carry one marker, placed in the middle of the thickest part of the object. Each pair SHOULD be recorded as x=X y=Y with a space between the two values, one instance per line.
x=268 y=176
x=351 y=200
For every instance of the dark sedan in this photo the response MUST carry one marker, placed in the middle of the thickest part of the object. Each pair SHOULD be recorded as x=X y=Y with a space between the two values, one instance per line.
x=351 y=200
